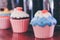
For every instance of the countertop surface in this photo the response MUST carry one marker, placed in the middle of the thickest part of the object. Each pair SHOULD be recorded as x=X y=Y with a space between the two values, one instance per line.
x=9 y=35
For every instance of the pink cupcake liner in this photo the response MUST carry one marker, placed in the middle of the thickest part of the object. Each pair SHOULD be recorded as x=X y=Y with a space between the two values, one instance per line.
x=4 y=22
x=19 y=26
x=43 y=32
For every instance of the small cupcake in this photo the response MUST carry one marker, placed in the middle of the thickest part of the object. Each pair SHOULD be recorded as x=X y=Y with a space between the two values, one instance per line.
x=5 y=19
x=43 y=24
x=19 y=20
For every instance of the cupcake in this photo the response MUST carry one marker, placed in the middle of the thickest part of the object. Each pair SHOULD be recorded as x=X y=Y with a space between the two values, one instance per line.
x=19 y=20
x=5 y=19
x=43 y=24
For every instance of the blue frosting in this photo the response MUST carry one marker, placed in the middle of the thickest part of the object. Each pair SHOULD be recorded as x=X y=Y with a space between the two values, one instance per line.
x=52 y=20
x=43 y=21
x=5 y=14
x=34 y=21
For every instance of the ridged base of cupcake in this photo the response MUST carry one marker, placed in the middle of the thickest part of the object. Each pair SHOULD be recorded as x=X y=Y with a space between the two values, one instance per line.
x=4 y=22
x=43 y=32
x=19 y=26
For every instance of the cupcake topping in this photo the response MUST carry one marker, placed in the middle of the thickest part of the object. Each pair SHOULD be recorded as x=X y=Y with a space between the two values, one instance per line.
x=19 y=8
x=5 y=12
x=43 y=18
x=18 y=13
x=44 y=11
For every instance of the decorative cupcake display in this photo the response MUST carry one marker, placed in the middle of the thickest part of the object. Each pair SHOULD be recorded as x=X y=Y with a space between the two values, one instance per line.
x=43 y=24
x=5 y=19
x=19 y=20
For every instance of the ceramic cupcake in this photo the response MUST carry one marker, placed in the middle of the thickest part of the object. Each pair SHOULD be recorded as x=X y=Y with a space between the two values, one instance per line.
x=5 y=19
x=19 y=20
x=43 y=24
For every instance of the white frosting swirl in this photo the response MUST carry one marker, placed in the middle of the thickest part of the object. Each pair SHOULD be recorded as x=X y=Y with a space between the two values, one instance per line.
x=18 y=14
x=41 y=14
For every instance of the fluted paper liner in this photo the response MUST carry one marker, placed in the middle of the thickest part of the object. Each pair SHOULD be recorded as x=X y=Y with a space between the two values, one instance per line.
x=4 y=22
x=43 y=32
x=19 y=26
